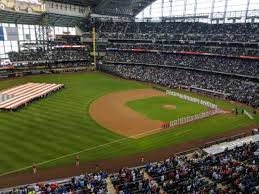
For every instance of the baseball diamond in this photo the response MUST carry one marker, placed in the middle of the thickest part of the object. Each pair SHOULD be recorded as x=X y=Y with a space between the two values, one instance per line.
x=55 y=116
x=129 y=96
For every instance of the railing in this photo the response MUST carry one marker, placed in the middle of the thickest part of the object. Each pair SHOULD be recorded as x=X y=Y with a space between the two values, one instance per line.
x=230 y=17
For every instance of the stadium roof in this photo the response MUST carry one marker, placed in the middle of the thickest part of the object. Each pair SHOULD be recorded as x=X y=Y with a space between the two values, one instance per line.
x=127 y=8
x=112 y=7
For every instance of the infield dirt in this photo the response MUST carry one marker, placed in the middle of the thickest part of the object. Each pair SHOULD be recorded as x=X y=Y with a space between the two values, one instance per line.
x=111 y=112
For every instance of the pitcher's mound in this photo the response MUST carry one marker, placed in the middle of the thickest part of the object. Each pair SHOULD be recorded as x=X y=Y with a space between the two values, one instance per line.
x=111 y=112
x=169 y=107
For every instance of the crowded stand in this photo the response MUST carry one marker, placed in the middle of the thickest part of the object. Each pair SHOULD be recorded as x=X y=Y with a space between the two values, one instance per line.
x=69 y=64
x=46 y=67
x=234 y=170
x=224 y=50
x=206 y=49
x=228 y=32
x=133 y=181
x=210 y=63
x=238 y=89
x=88 y=183
x=50 y=55
x=219 y=173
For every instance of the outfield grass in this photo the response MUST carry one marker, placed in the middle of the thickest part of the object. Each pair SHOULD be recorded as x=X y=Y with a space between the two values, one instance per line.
x=153 y=108
x=61 y=125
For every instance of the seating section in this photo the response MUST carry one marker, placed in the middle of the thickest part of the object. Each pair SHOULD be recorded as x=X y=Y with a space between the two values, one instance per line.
x=240 y=89
x=133 y=181
x=231 y=171
x=24 y=94
x=51 y=55
x=195 y=31
x=208 y=63
x=88 y=184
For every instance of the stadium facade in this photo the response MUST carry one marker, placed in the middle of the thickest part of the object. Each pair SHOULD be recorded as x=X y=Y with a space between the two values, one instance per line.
x=66 y=17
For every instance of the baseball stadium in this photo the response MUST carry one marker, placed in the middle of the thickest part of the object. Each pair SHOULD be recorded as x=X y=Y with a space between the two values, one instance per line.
x=129 y=96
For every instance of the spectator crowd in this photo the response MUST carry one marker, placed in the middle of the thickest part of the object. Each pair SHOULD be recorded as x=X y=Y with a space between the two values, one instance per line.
x=225 y=39
x=177 y=46
x=50 y=55
x=232 y=171
x=241 y=90
x=209 y=63
x=88 y=184
x=196 y=31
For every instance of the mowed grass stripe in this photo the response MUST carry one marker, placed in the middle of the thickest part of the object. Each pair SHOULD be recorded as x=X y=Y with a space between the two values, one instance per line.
x=154 y=108
x=28 y=144
x=61 y=125
x=62 y=133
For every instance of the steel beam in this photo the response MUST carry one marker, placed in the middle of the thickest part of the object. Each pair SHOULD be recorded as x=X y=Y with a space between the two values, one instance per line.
x=247 y=9
x=195 y=10
x=171 y=8
x=184 y=7
x=225 y=11
x=212 y=9
x=162 y=8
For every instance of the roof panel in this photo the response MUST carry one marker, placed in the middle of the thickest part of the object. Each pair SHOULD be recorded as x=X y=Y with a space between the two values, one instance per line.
x=112 y=7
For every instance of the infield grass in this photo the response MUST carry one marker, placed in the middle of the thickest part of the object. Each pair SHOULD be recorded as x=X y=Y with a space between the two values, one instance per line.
x=154 y=108
x=61 y=125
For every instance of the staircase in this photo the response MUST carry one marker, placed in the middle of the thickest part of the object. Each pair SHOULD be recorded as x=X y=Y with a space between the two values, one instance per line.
x=110 y=187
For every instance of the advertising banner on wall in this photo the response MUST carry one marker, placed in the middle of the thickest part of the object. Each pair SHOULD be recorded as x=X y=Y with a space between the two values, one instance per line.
x=12 y=33
x=1 y=33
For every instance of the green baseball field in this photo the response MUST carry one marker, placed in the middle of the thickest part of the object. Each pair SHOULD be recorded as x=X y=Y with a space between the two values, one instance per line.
x=51 y=131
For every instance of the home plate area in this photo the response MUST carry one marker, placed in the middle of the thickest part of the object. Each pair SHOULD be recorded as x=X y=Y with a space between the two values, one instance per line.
x=17 y=97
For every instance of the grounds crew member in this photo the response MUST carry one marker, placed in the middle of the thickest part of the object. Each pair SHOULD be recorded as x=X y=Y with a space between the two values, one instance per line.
x=34 y=168
x=77 y=160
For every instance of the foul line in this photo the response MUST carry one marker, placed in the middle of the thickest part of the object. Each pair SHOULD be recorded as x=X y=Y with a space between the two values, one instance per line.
x=84 y=150
x=183 y=132
x=89 y=149
x=249 y=115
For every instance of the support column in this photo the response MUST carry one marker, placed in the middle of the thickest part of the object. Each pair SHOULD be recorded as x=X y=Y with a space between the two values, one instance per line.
x=247 y=9
x=42 y=32
x=195 y=10
x=150 y=11
x=18 y=41
x=212 y=10
x=94 y=46
x=225 y=11
x=184 y=8
x=162 y=8
x=171 y=8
